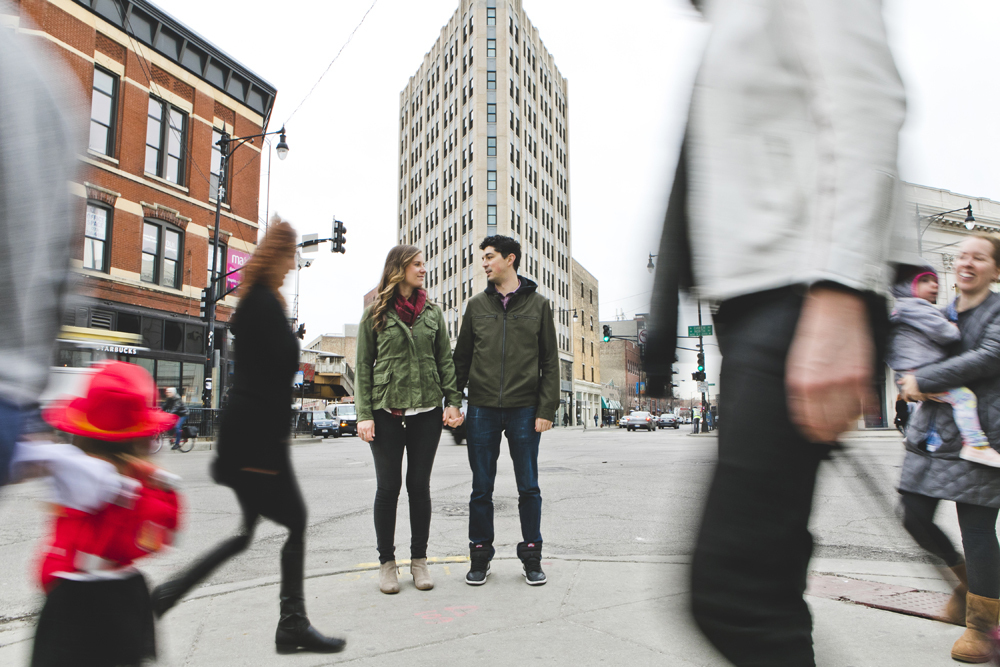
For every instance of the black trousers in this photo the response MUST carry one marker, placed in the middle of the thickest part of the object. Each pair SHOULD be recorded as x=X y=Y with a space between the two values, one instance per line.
x=275 y=497
x=979 y=540
x=748 y=574
x=418 y=436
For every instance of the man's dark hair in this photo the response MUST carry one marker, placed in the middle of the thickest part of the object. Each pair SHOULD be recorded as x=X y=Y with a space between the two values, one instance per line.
x=504 y=245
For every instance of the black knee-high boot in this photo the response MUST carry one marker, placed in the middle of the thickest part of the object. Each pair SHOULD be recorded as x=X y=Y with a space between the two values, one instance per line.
x=295 y=633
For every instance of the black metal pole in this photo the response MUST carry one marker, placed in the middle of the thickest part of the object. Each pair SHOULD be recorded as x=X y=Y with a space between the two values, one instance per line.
x=206 y=394
x=701 y=347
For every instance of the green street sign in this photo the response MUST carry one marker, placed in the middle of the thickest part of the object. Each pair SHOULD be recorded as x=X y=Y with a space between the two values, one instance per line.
x=704 y=330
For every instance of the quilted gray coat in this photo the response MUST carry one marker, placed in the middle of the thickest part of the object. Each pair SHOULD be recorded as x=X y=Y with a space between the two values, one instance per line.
x=976 y=365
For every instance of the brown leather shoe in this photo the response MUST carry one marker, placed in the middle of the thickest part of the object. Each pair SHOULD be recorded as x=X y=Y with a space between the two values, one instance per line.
x=976 y=644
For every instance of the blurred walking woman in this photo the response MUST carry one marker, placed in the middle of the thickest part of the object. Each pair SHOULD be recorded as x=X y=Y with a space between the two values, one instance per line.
x=932 y=469
x=253 y=457
x=404 y=371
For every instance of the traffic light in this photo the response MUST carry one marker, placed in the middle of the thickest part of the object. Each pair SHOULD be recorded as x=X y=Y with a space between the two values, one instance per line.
x=339 y=232
x=701 y=362
x=607 y=332
x=204 y=305
x=301 y=331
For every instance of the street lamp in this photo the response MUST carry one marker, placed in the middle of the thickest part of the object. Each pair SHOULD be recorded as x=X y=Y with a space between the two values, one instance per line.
x=970 y=223
x=225 y=151
x=650 y=267
x=576 y=317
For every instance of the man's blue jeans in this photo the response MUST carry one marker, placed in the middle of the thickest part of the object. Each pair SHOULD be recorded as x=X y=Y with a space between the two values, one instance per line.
x=11 y=417
x=484 y=428
x=177 y=430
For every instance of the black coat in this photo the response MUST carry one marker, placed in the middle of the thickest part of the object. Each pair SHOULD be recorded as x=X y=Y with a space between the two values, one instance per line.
x=257 y=421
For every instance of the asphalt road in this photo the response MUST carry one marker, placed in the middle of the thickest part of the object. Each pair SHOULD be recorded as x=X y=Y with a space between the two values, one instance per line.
x=608 y=495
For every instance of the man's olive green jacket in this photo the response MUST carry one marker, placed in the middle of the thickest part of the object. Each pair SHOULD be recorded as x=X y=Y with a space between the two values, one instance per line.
x=509 y=358
x=402 y=368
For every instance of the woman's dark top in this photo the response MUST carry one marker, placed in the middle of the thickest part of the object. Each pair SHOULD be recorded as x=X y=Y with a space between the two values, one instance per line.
x=257 y=422
x=976 y=365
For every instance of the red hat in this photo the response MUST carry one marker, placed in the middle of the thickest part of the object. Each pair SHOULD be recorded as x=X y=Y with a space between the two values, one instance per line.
x=120 y=405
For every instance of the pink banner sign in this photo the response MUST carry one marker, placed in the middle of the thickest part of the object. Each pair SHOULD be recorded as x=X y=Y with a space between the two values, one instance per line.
x=235 y=259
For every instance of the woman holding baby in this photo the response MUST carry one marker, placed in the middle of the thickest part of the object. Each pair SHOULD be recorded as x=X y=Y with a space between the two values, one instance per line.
x=931 y=474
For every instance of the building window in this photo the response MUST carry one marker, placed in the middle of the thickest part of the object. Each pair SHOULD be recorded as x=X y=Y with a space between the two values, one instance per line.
x=491 y=48
x=491 y=146
x=103 y=103
x=491 y=113
x=491 y=80
x=491 y=16
x=166 y=137
x=591 y=322
x=591 y=296
x=96 y=253
x=491 y=216
x=161 y=254
x=216 y=170
x=491 y=180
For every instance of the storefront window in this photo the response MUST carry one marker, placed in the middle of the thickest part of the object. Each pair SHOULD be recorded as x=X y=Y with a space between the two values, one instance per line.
x=192 y=379
x=194 y=340
x=168 y=374
x=173 y=336
x=152 y=333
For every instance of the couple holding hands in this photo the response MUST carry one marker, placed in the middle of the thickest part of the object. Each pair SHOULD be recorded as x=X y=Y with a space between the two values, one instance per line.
x=507 y=356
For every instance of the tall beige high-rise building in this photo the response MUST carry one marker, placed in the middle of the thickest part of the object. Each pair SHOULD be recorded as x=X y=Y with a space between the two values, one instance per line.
x=483 y=150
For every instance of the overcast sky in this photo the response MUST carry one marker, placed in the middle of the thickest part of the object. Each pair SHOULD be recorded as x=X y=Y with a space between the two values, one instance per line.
x=629 y=72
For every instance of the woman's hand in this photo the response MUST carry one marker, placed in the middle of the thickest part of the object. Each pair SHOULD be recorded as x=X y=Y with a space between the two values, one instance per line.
x=910 y=389
x=452 y=417
x=366 y=430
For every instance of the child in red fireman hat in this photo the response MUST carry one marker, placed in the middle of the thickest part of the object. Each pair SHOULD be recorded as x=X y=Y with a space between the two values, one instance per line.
x=97 y=611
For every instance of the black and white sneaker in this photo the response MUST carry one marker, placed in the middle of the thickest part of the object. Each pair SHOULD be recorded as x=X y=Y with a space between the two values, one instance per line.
x=533 y=574
x=480 y=568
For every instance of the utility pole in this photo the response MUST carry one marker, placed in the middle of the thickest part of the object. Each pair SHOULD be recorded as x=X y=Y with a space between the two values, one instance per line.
x=701 y=347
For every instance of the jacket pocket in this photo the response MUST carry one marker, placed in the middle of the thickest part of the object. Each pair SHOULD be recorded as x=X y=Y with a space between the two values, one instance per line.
x=380 y=388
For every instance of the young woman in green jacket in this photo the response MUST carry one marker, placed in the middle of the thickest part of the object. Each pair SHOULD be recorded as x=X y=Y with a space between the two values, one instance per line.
x=405 y=370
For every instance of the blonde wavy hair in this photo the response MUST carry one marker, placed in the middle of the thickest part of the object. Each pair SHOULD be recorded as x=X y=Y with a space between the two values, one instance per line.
x=394 y=272
x=267 y=266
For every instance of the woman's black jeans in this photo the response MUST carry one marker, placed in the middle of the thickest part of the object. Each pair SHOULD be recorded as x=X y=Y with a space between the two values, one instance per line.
x=979 y=539
x=418 y=435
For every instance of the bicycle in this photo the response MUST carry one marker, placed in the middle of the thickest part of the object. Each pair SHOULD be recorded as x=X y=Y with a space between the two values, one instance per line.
x=188 y=435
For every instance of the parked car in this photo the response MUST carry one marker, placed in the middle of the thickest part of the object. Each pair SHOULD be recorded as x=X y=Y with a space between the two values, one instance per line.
x=638 y=420
x=324 y=425
x=346 y=416
x=623 y=422
x=667 y=420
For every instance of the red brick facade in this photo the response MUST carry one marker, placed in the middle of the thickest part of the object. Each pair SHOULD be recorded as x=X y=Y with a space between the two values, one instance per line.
x=82 y=39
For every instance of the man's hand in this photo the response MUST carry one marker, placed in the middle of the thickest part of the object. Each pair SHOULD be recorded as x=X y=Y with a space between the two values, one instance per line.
x=829 y=365
x=542 y=425
x=366 y=430
x=452 y=417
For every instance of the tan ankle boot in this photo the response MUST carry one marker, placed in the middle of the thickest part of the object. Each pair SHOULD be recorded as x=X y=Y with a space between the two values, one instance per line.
x=976 y=644
x=421 y=575
x=954 y=611
x=388 y=580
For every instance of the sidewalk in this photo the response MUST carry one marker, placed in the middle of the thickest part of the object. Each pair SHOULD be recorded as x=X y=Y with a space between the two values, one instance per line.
x=591 y=612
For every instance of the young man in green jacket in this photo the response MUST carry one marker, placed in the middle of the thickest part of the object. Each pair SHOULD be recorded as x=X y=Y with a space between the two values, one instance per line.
x=507 y=353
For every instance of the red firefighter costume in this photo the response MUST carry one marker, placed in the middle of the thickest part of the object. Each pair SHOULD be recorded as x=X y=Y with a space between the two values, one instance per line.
x=101 y=545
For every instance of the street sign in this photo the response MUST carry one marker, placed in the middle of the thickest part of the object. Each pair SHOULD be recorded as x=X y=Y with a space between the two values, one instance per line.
x=703 y=330
x=702 y=387
x=642 y=336
x=310 y=248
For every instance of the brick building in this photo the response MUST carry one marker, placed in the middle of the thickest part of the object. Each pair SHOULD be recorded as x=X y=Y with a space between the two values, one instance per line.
x=621 y=361
x=586 y=342
x=158 y=97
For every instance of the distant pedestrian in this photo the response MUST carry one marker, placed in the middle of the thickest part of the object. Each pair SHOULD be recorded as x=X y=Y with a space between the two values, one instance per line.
x=97 y=607
x=405 y=371
x=783 y=206
x=174 y=404
x=508 y=354
x=902 y=413
x=931 y=474
x=253 y=448
x=595 y=421
x=565 y=419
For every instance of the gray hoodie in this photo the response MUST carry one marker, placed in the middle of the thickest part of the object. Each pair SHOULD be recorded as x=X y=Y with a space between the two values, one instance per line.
x=920 y=334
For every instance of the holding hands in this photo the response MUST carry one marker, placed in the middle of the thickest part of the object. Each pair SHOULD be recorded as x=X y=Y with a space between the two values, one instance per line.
x=452 y=417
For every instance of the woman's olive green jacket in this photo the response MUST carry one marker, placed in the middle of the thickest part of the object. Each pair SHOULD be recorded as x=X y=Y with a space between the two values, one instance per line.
x=404 y=367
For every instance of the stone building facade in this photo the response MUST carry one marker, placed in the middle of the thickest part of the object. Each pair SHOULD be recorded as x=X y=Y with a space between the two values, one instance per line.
x=586 y=345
